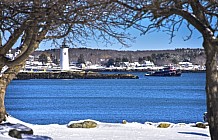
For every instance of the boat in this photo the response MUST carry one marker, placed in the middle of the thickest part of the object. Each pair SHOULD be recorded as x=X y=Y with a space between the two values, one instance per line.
x=166 y=71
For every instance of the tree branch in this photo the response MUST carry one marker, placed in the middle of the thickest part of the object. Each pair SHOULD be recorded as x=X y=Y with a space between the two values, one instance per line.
x=13 y=39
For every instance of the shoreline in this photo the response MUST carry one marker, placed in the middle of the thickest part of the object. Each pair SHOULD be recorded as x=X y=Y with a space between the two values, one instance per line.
x=71 y=75
x=140 y=70
x=87 y=74
x=108 y=131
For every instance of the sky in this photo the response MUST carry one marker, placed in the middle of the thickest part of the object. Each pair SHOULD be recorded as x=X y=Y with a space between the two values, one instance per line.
x=152 y=41
x=161 y=41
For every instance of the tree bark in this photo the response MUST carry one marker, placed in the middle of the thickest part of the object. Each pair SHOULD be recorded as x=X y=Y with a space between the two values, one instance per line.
x=5 y=79
x=3 y=85
x=211 y=88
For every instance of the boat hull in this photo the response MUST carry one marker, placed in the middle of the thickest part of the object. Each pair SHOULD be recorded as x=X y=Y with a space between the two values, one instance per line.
x=164 y=73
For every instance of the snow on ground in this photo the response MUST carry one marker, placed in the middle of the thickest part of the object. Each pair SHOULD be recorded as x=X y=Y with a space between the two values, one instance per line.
x=115 y=131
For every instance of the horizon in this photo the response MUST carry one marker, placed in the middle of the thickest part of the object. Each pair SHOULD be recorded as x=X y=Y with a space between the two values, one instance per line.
x=109 y=49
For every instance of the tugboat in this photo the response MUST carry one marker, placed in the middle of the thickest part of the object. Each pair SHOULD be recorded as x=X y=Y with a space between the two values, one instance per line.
x=166 y=71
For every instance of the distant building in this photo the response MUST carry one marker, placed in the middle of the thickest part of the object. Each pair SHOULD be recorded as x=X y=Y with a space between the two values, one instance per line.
x=186 y=65
x=64 y=56
x=148 y=64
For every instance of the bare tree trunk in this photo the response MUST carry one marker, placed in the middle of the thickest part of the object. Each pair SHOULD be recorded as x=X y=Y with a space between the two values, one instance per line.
x=211 y=89
x=5 y=79
x=3 y=85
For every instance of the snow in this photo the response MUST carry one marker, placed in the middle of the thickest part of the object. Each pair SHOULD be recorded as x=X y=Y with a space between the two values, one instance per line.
x=114 y=131
x=209 y=31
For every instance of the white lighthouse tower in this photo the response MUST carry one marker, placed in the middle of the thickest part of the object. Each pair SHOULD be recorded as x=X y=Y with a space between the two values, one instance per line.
x=64 y=56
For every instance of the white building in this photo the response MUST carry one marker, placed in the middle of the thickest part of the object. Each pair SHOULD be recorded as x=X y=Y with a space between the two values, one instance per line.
x=148 y=64
x=186 y=66
x=64 y=57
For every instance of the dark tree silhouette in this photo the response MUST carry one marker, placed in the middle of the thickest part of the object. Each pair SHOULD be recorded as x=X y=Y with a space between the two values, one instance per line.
x=43 y=58
x=81 y=59
x=110 y=62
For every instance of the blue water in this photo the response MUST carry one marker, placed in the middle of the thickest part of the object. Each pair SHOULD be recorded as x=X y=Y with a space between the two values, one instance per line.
x=155 y=99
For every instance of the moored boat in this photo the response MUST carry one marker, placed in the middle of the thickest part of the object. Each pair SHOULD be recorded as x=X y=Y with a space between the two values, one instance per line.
x=166 y=71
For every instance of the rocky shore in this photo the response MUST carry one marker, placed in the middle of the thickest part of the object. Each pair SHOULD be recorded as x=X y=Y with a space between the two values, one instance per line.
x=72 y=75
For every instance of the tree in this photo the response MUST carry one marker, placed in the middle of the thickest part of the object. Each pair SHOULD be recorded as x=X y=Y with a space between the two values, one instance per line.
x=110 y=62
x=81 y=59
x=117 y=61
x=154 y=57
x=26 y=23
x=124 y=59
x=149 y=58
x=171 y=15
x=43 y=58
x=140 y=60
x=175 y=61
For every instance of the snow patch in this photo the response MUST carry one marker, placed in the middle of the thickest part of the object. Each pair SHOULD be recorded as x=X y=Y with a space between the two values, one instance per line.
x=118 y=131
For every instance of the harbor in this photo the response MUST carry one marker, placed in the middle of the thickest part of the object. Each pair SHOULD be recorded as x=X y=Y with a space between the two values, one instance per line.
x=65 y=59
x=149 y=98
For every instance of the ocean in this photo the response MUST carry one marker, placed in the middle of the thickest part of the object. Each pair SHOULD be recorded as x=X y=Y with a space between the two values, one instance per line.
x=153 y=99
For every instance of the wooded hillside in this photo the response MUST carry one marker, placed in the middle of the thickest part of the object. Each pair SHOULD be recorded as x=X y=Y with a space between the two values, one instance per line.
x=159 y=57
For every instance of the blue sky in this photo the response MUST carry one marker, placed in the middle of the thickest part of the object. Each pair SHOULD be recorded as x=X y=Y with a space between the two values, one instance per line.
x=161 y=41
x=152 y=41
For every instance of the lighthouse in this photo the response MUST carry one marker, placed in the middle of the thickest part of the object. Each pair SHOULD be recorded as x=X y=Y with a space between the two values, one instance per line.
x=64 y=56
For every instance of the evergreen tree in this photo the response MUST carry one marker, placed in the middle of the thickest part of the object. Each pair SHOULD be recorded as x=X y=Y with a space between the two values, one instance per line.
x=81 y=59
x=43 y=58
